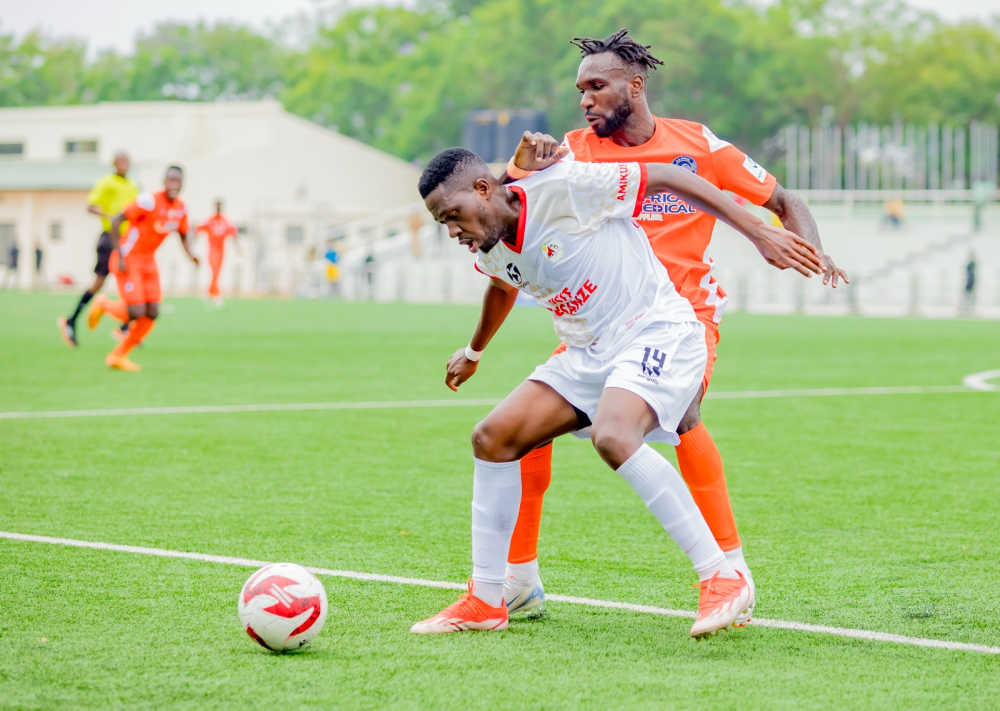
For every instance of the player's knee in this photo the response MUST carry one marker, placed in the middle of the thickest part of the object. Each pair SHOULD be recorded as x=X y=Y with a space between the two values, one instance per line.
x=614 y=443
x=489 y=444
x=152 y=311
x=688 y=422
x=692 y=417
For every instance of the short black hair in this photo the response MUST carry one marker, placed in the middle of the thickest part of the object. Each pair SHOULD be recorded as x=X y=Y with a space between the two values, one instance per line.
x=175 y=167
x=444 y=165
x=629 y=51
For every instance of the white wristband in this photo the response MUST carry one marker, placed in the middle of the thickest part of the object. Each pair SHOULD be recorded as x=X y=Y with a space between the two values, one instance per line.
x=471 y=354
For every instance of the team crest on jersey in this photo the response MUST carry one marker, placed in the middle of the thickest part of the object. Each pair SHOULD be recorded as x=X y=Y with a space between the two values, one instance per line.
x=552 y=248
x=686 y=162
x=514 y=274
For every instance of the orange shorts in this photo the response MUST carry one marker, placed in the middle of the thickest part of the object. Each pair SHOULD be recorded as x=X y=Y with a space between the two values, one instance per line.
x=140 y=284
x=711 y=341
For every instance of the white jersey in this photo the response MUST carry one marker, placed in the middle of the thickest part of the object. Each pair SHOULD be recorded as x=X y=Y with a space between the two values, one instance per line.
x=583 y=257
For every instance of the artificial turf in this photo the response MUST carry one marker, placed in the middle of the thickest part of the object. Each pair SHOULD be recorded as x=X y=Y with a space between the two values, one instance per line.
x=875 y=512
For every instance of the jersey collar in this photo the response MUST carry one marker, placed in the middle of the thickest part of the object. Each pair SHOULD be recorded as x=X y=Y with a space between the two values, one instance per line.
x=521 y=219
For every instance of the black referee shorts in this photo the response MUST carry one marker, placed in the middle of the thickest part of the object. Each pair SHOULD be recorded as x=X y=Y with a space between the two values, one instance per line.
x=103 y=254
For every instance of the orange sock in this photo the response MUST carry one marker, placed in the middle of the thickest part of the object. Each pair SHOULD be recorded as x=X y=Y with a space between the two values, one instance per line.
x=140 y=327
x=701 y=467
x=536 y=473
x=117 y=309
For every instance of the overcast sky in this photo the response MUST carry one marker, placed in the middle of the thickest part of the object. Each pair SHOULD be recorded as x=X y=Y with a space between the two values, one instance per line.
x=114 y=23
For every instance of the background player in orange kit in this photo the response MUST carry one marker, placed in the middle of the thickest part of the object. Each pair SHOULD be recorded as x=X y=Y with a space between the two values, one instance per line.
x=612 y=82
x=218 y=229
x=152 y=216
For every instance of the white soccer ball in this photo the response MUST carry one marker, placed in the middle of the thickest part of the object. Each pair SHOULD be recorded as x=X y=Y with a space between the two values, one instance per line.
x=283 y=607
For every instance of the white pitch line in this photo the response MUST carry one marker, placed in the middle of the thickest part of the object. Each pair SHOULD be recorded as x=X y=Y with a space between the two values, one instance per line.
x=608 y=604
x=402 y=404
x=978 y=381
x=828 y=392
x=278 y=407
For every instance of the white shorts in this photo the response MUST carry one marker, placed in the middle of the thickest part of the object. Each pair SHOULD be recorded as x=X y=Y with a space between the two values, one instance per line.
x=663 y=365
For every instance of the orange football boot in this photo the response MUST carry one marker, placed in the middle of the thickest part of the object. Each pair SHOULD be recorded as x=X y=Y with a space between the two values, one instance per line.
x=721 y=602
x=122 y=363
x=468 y=613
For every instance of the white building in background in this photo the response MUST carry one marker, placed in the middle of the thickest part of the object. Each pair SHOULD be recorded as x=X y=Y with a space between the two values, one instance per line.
x=285 y=183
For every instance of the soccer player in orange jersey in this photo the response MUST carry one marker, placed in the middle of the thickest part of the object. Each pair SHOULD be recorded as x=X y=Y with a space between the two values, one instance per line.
x=218 y=229
x=152 y=217
x=612 y=81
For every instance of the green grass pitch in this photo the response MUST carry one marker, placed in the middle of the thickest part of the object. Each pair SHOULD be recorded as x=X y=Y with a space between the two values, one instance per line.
x=879 y=513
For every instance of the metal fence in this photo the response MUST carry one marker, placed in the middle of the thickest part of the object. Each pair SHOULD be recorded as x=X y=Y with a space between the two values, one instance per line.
x=898 y=157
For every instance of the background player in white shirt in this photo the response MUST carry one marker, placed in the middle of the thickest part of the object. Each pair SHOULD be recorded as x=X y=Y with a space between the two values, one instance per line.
x=635 y=358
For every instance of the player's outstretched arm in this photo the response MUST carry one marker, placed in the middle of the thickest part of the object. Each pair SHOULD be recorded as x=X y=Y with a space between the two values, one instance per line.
x=779 y=247
x=115 y=235
x=795 y=215
x=187 y=247
x=497 y=302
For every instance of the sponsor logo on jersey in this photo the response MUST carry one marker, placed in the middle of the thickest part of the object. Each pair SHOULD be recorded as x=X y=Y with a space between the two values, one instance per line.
x=514 y=274
x=622 y=181
x=567 y=303
x=165 y=228
x=754 y=169
x=552 y=248
x=686 y=162
x=656 y=206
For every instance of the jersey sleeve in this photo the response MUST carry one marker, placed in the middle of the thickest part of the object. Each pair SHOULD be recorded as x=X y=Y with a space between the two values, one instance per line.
x=570 y=155
x=599 y=192
x=137 y=210
x=183 y=228
x=739 y=173
x=202 y=227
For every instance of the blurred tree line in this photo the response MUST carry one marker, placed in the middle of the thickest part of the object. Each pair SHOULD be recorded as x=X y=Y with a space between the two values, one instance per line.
x=402 y=79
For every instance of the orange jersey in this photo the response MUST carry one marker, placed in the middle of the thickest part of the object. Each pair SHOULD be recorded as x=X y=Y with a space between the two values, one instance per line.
x=678 y=232
x=218 y=228
x=151 y=218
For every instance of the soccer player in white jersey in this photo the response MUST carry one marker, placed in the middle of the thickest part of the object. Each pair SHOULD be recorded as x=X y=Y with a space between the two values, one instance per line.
x=636 y=352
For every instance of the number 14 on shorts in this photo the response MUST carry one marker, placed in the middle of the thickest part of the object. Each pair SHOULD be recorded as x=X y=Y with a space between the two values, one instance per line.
x=653 y=362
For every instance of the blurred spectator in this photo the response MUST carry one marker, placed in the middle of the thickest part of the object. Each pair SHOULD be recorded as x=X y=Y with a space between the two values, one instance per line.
x=982 y=195
x=39 y=256
x=11 y=273
x=416 y=222
x=332 y=267
x=370 y=275
x=969 y=297
x=893 y=214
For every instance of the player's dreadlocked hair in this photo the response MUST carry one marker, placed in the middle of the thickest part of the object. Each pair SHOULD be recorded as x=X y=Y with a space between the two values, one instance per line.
x=444 y=165
x=624 y=47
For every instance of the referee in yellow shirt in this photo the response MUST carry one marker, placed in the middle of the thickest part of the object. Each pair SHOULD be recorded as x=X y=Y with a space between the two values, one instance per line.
x=108 y=197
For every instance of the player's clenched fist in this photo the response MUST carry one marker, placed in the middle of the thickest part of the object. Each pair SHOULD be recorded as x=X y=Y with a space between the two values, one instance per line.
x=460 y=369
x=538 y=151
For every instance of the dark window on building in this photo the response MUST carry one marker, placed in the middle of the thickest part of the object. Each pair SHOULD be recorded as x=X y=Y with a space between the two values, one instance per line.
x=81 y=148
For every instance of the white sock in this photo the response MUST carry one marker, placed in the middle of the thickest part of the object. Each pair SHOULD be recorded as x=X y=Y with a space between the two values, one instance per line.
x=523 y=572
x=496 y=498
x=665 y=494
x=736 y=559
